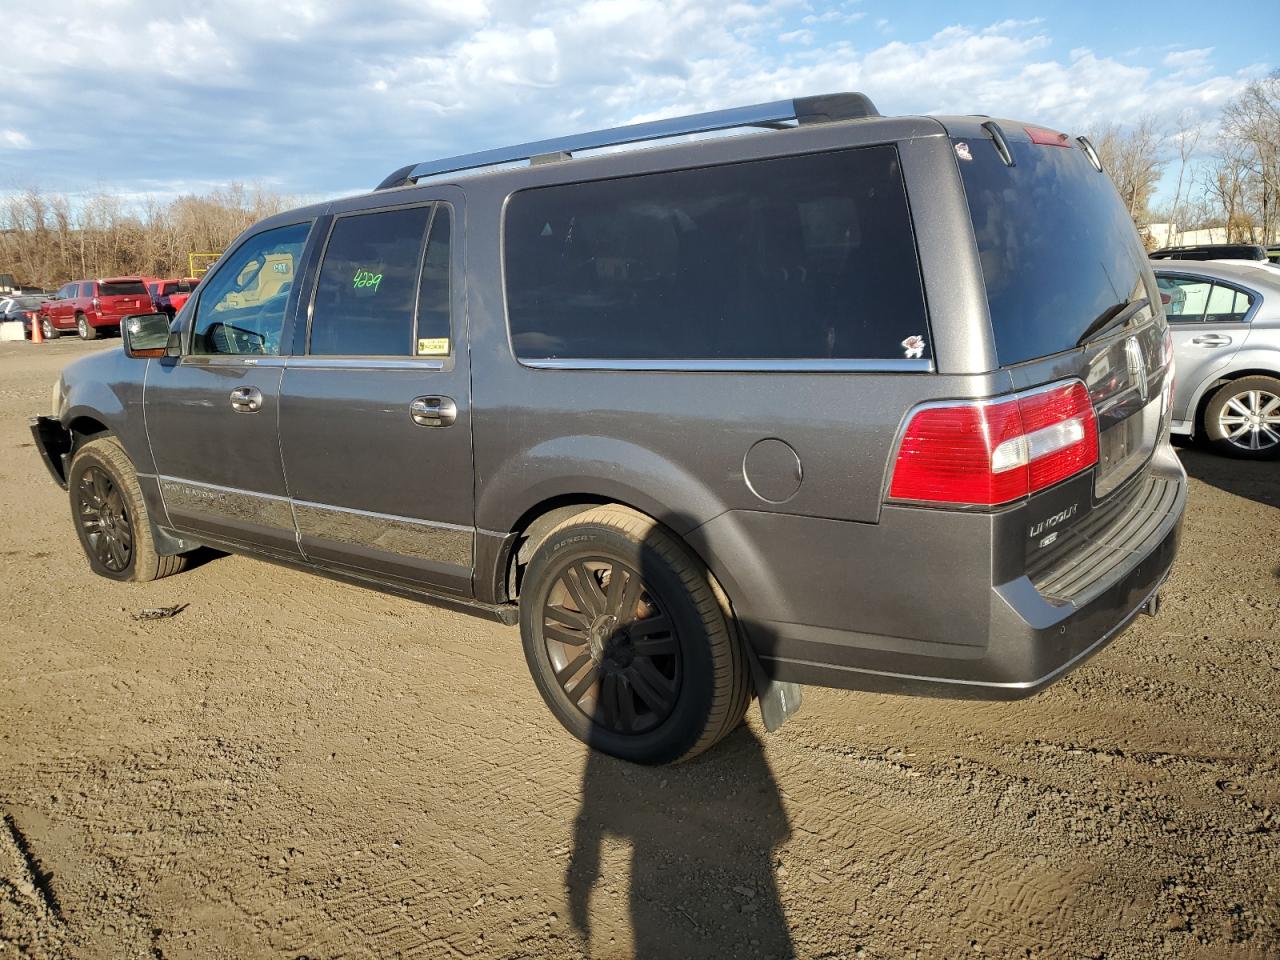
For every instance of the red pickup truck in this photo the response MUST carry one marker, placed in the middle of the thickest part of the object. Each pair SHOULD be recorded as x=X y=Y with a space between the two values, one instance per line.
x=91 y=306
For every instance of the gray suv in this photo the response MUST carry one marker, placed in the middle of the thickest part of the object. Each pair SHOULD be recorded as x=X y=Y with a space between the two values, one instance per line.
x=868 y=402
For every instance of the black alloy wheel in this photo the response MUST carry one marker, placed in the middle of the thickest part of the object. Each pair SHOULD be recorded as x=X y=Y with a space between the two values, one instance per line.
x=613 y=646
x=103 y=516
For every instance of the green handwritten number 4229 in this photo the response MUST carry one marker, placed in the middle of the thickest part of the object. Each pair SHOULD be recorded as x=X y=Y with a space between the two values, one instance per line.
x=367 y=278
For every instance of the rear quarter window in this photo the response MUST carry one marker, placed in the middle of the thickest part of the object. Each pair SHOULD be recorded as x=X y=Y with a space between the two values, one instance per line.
x=808 y=257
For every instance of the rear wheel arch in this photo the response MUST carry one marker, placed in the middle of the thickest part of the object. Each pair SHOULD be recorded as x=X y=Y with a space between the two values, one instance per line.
x=1217 y=382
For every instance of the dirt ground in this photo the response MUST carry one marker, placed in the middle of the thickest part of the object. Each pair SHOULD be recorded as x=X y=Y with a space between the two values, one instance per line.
x=292 y=767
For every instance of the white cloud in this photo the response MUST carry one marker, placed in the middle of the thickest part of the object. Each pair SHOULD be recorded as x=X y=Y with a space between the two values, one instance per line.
x=15 y=140
x=313 y=97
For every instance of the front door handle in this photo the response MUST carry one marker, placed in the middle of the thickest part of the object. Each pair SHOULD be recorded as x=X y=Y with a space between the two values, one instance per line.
x=1212 y=340
x=246 y=399
x=433 y=411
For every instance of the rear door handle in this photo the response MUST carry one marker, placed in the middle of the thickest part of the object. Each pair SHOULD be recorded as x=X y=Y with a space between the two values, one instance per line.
x=1212 y=340
x=246 y=399
x=433 y=411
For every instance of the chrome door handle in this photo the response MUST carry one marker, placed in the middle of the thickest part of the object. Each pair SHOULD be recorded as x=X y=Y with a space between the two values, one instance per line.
x=1212 y=340
x=246 y=399
x=433 y=411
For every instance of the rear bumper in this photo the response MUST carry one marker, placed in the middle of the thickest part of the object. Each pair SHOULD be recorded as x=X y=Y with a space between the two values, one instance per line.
x=941 y=627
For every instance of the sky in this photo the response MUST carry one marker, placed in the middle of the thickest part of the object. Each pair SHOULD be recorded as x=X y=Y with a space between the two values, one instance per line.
x=317 y=100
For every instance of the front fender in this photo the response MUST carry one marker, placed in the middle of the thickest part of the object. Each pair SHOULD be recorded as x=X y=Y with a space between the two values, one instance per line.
x=107 y=388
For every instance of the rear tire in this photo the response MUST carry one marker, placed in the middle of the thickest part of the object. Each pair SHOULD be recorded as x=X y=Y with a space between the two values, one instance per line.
x=86 y=330
x=111 y=517
x=1243 y=419
x=48 y=330
x=627 y=641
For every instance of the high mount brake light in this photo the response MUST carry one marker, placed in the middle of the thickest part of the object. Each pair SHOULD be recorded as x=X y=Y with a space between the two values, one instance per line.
x=1047 y=138
x=991 y=452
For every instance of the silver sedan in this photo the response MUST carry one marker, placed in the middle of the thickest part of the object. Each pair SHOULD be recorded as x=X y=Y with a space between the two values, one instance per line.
x=1225 y=320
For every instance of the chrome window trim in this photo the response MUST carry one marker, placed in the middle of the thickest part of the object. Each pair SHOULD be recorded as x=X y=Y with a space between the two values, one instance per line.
x=892 y=365
x=232 y=360
x=365 y=363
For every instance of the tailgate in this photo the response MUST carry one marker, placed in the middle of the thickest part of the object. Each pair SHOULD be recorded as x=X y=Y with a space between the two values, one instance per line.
x=1072 y=295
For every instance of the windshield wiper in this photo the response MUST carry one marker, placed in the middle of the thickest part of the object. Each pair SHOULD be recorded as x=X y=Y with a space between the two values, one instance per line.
x=1111 y=318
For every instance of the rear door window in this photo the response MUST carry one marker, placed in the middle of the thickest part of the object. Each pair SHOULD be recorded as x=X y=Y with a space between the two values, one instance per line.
x=1184 y=298
x=1058 y=247
x=808 y=257
x=368 y=286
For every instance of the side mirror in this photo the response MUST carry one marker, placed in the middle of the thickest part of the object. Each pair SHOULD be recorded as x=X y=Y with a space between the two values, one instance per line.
x=145 y=334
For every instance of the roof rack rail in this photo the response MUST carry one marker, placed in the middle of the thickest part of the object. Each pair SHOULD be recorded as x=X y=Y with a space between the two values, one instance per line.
x=777 y=114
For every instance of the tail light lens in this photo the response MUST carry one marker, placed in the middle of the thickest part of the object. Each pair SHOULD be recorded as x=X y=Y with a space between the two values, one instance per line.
x=1166 y=349
x=991 y=452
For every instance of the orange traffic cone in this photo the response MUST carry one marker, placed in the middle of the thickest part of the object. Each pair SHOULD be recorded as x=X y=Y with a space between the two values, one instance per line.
x=37 y=335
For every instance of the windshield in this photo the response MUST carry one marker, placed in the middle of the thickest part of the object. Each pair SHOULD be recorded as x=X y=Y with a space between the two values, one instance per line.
x=1059 y=250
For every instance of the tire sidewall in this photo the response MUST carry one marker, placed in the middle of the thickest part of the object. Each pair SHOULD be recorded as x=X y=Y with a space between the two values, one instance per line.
x=680 y=731
x=80 y=463
x=48 y=330
x=1213 y=429
x=83 y=328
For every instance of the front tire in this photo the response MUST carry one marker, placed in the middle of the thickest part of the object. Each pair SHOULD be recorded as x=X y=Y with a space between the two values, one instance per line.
x=627 y=640
x=1243 y=419
x=48 y=330
x=86 y=330
x=111 y=518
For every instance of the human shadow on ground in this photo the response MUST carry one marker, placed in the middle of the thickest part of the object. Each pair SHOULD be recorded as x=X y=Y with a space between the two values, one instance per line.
x=703 y=837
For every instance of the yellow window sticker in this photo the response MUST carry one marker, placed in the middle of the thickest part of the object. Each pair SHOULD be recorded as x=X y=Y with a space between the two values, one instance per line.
x=433 y=346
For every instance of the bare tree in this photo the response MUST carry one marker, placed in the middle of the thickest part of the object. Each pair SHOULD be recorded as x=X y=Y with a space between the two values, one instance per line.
x=1134 y=158
x=1251 y=124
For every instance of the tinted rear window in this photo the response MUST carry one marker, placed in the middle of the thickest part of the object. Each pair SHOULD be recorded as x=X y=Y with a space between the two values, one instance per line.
x=1058 y=247
x=806 y=257
x=122 y=289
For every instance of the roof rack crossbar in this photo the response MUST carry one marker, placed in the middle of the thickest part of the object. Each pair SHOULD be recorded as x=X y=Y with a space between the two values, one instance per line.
x=776 y=114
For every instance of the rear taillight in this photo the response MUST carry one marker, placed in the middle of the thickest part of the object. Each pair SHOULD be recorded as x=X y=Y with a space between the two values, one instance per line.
x=989 y=452
x=1166 y=349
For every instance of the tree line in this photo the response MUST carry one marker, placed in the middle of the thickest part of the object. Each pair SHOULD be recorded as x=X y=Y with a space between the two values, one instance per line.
x=46 y=239
x=1226 y=173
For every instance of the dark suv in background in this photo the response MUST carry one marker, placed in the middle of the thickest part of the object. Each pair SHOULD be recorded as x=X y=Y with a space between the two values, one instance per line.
x=869 y=402
x=91 y=307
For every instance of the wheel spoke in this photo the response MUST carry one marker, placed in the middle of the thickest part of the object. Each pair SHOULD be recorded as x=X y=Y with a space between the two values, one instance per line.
x=1235 y=404
x=566 y=673
x=591 y=587
x=609 y=701
x=1271 y=406
x=572 y=619
x=663 y=646
x=125 y=534
x=561 y=635
x=651 y=686
x=1272 y=437
x=626 y=705
x=1241 y=431
x=577 y=591
x=580 y=688
x=101 y=486
x=630 y=599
